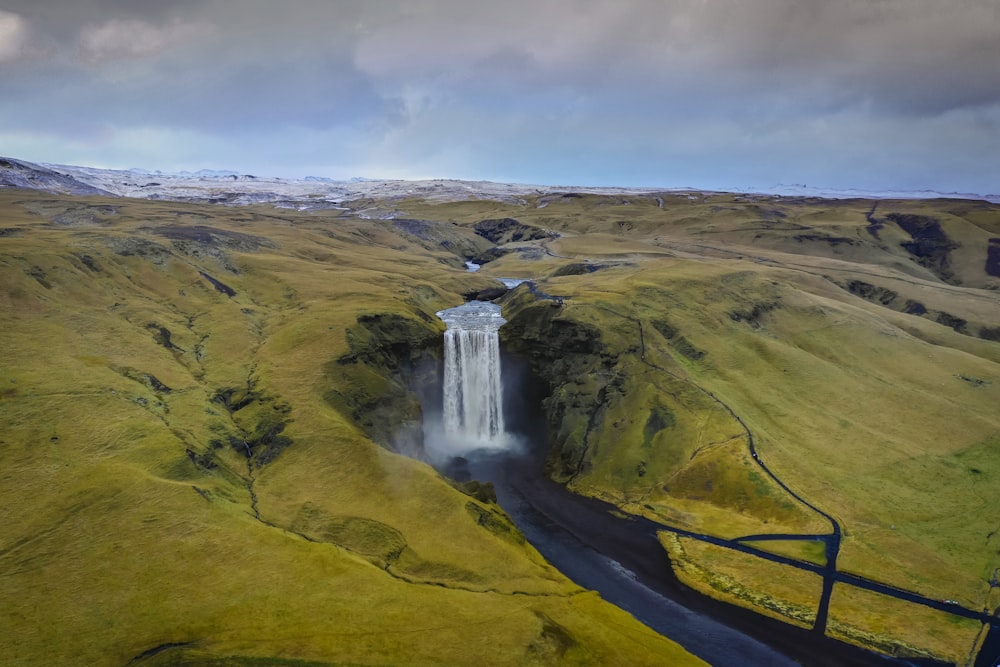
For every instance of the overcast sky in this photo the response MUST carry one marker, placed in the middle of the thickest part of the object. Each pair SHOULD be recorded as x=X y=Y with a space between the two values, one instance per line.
x=871 y=94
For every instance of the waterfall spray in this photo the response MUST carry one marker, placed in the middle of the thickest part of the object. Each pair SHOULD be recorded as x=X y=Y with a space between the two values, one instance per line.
x=473 y=389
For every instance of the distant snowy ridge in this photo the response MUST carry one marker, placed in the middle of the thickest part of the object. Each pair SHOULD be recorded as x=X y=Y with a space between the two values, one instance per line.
x=230 y=187
x=234 y=188
x=797 y=190
x=21 y=174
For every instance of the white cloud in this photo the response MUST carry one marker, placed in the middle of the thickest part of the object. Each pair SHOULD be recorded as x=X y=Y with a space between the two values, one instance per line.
x=125 y=39
x=15 y=40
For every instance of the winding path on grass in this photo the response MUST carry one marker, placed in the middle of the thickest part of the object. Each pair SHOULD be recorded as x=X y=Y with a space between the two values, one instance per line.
x=832 y=541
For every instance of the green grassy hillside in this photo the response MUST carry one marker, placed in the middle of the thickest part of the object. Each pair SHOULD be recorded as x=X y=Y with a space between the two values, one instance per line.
x=205 y=406
x=187 y=472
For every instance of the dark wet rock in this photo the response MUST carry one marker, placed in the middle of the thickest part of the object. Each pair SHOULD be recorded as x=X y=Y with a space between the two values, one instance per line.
x=79 y=215
x=436 y=235
x=885 y=297
x=831 y=240
x=664 y=328
x=993 y=258
x=558 y=353
x=481 y=491
x=422 y=229
x=685 y=348
x=660 y=418
x=140 y=247
x=956 y=323
x=871 y=292
x=975 y=382
x=89 y=262
x=219 y=285
x=162 y=336
x=509 y=230
x=204 y=460
x=155 y=384
x=990 y=333
x=212 y=236
x=156 y=650
x=888 y=298
x=147 y=379
x=393 y=363
x=874 y=224
x=753 y=315
x=267 y=440
x=495 y=521
x=930 y=247
x=576 y=269
x=489 y=255
x=235 y=399
x=390 y=340
x=488 y=294
x=677 y=342
x=262 y=437
x=38 y=274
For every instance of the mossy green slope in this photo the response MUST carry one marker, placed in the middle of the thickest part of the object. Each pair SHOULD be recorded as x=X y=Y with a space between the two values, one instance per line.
x=181 y=486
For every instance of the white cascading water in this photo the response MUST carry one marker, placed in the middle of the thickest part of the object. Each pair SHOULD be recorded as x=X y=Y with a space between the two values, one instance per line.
x=473 y=389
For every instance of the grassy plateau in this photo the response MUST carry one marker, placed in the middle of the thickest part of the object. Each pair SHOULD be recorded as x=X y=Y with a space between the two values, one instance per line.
x=205 y=410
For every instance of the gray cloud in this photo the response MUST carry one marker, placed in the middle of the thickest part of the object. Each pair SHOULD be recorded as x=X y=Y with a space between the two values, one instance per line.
x=132 y=38
x=704 y=92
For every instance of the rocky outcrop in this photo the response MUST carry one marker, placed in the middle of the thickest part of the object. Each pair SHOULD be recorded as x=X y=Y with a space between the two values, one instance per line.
x=571 y=369
x=486 y=294
x=393 y=363
x=434 y=235
x=510 y=230
x=993 y=258
x=930 y=248
x=889 y=298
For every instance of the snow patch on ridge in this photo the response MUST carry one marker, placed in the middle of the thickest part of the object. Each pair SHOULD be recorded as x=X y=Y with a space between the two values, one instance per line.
x=230 y=187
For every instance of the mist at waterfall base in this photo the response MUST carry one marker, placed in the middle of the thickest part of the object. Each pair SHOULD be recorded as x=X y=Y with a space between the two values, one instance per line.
x=478 y=414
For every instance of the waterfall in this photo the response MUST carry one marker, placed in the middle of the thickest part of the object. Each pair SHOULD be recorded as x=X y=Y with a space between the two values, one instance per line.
x=473 y=390
x=472 y=387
